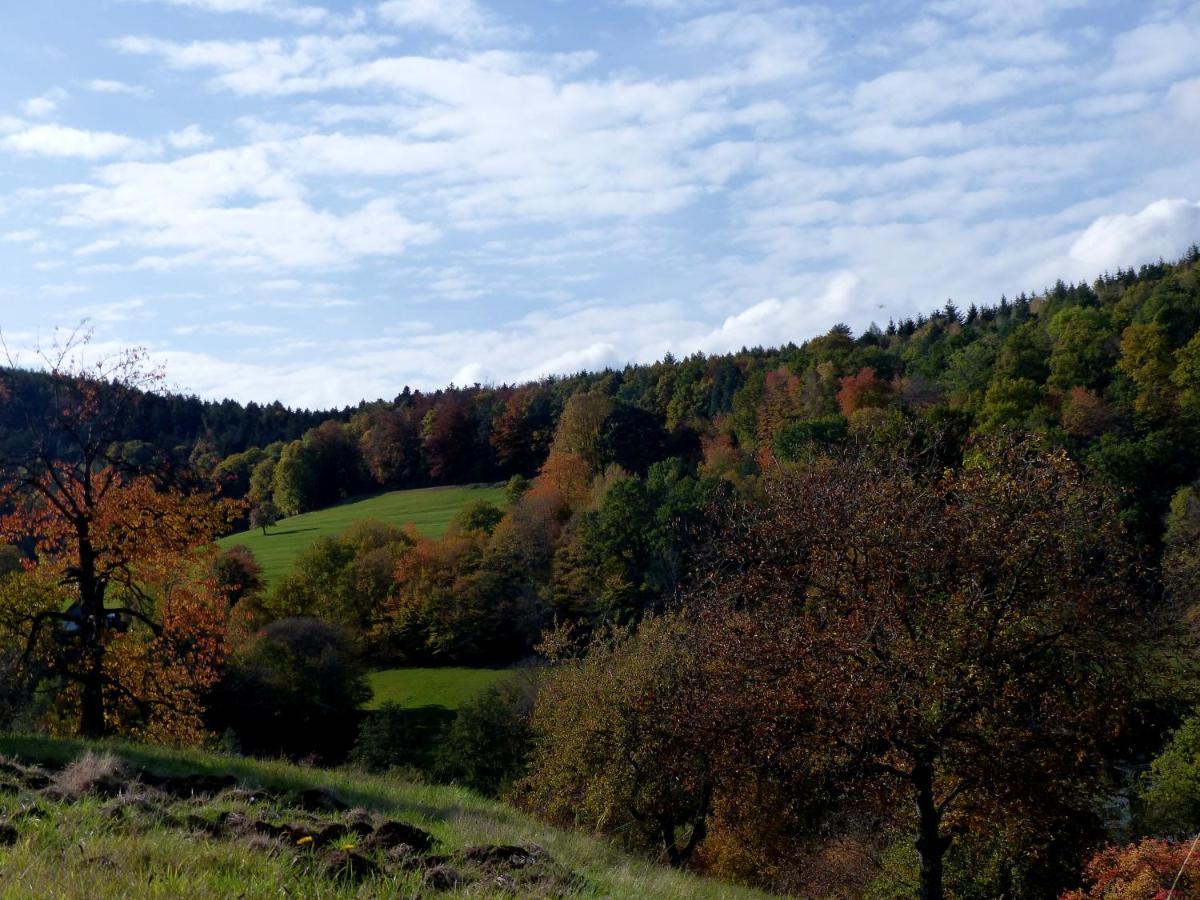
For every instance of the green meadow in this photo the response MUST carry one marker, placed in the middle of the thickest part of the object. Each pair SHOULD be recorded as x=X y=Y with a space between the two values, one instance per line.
x=429 y=510
x=448 y=687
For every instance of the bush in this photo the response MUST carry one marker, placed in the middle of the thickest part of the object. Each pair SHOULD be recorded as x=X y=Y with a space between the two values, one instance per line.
x=294 y=690
x=487 y=746
x=398 y=737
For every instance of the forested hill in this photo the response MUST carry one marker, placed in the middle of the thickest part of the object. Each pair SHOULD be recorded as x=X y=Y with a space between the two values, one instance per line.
x=1110 y=370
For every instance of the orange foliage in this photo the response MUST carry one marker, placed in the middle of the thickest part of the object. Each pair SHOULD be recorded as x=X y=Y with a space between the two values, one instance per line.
x=564 y=475
x=862 y=391
x=140 y=560
x=1143 y=871
x=142 y=636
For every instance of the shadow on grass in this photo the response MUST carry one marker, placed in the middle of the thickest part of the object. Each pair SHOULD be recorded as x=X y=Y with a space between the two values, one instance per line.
x=381 y=793
x=291 y=531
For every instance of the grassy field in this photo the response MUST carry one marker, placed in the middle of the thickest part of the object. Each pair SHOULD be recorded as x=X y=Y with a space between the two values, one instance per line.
x=133 y=821
x=449 y=687
x=430 y=510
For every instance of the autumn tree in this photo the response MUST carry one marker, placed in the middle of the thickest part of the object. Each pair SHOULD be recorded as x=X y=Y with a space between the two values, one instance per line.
x=963 y=640
x=141 y=635
x=862 y=390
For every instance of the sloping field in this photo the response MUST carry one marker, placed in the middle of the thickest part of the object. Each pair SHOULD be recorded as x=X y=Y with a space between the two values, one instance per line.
x=430 y=510
x=128 y=821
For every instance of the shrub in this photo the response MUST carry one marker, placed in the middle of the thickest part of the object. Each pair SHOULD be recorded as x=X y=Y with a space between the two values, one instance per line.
x=395 y=737
x=487 y=746
x=294 y=690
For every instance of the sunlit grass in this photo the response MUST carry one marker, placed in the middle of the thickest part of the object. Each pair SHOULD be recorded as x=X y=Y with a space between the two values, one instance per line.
x=449 y=687
x=429 y=510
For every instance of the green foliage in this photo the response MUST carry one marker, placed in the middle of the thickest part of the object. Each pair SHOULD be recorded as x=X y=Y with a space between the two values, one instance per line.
x=487 y=746
x=294 y=482
x=395 y=736
x=479 y=515
x=1168 y=801
x=295 y=689
x=799 y=440
x=613 y=751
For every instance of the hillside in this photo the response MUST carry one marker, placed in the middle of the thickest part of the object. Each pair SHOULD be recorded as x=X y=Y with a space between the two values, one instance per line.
x=429 y=510
x=134 y=821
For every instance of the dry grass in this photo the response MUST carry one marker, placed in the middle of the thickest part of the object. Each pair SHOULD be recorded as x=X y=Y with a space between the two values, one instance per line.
x=91 y=771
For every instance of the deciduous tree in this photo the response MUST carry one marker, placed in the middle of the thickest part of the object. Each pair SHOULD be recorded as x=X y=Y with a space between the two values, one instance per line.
x=141 y=636
x=962 y=639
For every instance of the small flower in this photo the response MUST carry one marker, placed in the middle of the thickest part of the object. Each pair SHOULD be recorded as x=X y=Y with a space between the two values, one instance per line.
x=346 y=845
x=307 y=839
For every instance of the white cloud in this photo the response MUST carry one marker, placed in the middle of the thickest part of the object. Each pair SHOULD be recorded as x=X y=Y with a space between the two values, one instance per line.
x=187 y=206
x=60 y=140
x=1154 y=52
x=108 y=86
x=25 y=236
x=230 y=328
x=190 y=138
x=462 y=20
x=1165 y=228
x=101 y=246
x=45 y=105
x=1010 y=14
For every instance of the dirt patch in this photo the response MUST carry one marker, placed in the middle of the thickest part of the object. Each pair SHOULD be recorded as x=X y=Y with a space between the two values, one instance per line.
x=392 y=834
x=346 y=865
x=321 y=800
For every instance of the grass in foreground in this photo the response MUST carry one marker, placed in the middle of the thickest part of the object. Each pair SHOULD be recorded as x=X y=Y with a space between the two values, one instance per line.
x=98 y=831
x=430 y=510
x=449 y=688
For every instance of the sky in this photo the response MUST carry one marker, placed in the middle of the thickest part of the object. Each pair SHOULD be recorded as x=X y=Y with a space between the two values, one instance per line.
x=321 y=202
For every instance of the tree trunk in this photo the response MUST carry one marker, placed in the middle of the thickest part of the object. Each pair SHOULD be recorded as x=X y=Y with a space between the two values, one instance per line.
x=931 y=845
x=91 y=709
x=91 y=634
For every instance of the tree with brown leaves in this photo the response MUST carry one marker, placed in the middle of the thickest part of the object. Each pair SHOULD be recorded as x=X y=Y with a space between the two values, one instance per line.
x=141 y=637
x=963 y=639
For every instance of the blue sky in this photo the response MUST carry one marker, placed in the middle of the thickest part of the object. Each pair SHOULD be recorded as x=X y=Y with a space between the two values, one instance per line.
x=320 y=202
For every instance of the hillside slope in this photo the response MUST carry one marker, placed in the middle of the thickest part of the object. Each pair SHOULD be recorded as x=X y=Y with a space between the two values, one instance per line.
x=429 y=510
x=134 y=821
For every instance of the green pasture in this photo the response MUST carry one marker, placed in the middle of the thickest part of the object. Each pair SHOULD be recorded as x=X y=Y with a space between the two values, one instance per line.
x=429 y=510
x=449 y=687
